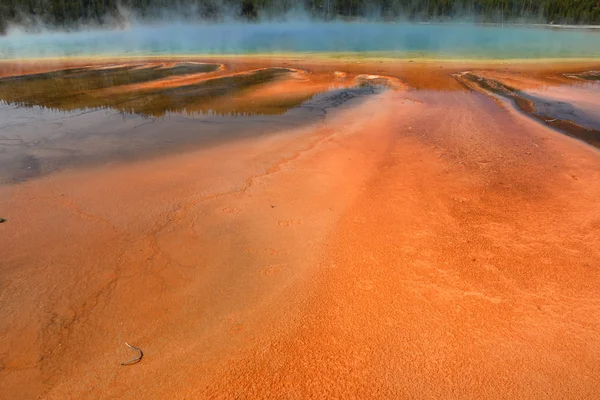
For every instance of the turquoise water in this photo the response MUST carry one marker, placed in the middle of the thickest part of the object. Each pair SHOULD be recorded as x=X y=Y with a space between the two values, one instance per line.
x=414 y=40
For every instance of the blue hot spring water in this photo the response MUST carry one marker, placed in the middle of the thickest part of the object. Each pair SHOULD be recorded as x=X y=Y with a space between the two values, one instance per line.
x=399 y=39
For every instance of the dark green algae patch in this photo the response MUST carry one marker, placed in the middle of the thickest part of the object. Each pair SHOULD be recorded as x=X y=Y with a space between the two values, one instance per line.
x=85 y=88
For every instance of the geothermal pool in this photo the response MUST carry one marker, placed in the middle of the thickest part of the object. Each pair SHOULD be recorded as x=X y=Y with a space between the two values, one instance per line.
x=300 y=226
x=392 y=39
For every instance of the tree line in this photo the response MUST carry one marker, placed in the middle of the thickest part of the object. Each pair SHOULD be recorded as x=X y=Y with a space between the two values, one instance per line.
x=73 y=13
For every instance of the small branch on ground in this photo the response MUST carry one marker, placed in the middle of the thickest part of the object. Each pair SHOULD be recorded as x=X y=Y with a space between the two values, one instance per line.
x=134 y=360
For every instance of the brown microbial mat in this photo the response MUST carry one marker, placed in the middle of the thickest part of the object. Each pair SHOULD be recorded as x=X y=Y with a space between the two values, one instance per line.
x=299 y=228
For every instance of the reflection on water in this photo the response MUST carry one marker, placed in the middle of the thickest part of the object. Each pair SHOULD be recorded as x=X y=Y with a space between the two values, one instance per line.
x=570 y=108
x=82 y=88
x=192 y=88
x=51 y=121
x=69 y=117
x=154 y=90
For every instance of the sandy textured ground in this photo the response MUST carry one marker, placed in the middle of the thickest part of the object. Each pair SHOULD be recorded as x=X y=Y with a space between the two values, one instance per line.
x=416 y=244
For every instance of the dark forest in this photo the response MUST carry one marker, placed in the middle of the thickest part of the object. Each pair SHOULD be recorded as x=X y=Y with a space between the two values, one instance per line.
x=71 y=14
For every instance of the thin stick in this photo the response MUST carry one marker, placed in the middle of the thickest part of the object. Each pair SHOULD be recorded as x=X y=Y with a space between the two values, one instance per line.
x=134 y=360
